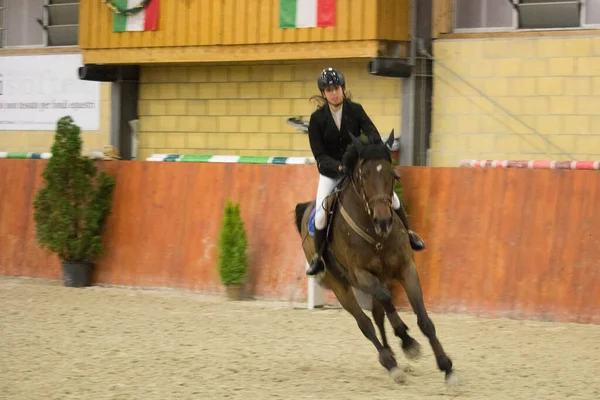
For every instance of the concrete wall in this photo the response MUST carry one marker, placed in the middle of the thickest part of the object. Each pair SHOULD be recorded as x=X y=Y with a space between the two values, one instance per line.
x=551 y=84
x=241 y=109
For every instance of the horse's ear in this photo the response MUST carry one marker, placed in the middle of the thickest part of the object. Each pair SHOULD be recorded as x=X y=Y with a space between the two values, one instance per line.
x=390 y=140
x=355 y=140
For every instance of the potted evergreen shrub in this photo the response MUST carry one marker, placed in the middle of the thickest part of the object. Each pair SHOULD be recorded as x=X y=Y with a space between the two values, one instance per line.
x=71 y=208
x=233 y=259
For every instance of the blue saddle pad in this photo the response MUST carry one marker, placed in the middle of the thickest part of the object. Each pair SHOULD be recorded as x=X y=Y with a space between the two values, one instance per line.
x=311 y=221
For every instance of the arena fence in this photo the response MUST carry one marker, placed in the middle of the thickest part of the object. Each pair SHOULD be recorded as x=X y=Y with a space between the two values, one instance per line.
x=511 y=242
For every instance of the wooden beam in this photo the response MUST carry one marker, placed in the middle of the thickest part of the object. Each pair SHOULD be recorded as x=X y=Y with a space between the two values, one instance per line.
x=233 y=53
x=40 y=50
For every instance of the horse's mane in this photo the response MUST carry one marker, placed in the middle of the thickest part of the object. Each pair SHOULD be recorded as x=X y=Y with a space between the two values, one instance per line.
x=370 y=150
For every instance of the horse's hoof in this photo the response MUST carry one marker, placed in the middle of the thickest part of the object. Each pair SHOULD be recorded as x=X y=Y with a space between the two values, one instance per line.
x=397 y=375
x=413 y=351
x=451 y=379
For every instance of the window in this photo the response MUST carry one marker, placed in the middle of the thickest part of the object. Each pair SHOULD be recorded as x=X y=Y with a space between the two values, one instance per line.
x=20 y=23
x=63 y=22
x=477 y=14
x=592 y=12
x=38 y=23
x=506 y=15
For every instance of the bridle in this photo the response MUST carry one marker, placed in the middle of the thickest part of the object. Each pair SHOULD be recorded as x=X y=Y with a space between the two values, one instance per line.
x=369 y=203
x=375 y=242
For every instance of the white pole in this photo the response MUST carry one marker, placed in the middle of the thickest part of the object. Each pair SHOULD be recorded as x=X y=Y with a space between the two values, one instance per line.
x=315 y=293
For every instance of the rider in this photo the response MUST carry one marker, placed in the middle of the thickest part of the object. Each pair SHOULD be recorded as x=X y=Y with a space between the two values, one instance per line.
x=328 y=132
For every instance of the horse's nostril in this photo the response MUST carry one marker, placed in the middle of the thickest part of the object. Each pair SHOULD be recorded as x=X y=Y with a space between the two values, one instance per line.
x=383 y=222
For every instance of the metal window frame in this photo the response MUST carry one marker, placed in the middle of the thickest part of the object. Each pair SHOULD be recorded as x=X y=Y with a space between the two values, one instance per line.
x=24 y=46
x=2 y=37
x=515 y=22
x=583 y=22
x=45 y=20
x=512 y=28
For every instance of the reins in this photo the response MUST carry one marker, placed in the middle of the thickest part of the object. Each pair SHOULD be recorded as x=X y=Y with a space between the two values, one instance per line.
x=366 y=203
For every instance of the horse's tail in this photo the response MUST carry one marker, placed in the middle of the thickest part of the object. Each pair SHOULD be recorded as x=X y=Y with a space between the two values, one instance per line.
x=300 y=209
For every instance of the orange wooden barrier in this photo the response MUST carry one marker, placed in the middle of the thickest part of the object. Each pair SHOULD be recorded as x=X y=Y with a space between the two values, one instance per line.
x=501 y=242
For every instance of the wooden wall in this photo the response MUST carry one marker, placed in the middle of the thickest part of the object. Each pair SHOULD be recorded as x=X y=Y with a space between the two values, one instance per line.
x=442 y=17
x=236 y=22
x=501 y=242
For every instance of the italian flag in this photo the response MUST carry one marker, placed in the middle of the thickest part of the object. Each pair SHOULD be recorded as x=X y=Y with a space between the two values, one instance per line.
x=144 y=20
x=306 y=13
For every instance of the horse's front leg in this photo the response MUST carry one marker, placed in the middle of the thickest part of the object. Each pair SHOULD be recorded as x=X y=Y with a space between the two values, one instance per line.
x=345 y=296
x=412 y=286
x=383 y=299
x=379 y=317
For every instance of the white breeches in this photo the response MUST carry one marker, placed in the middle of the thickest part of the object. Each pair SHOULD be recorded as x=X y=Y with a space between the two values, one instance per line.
x=395 y=202
x=324 y=189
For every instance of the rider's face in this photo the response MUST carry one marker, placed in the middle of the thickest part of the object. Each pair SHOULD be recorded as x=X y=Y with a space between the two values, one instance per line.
x=334 y=95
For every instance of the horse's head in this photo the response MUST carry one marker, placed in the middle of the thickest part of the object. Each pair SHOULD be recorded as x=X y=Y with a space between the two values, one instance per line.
x=370 y=167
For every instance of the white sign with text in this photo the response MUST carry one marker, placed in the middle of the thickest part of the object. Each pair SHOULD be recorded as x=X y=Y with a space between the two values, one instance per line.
x=37 y=90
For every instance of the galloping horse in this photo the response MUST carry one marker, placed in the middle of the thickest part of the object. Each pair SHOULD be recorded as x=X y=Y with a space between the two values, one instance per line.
x=368 y=249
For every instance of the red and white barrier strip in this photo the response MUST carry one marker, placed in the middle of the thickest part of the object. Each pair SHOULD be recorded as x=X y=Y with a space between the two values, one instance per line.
x=531 y=164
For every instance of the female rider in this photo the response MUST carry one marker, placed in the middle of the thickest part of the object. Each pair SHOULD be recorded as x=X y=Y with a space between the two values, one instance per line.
x=328 y=132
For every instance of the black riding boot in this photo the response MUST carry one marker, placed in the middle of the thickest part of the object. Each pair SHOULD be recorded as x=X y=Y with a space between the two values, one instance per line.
x=416 y=242
x=316 y=264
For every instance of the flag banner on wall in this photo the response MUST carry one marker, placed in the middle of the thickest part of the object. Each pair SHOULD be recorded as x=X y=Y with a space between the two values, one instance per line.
x=306 y=13
x=144 y=20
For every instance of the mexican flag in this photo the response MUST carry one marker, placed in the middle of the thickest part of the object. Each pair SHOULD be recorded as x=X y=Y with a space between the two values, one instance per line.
x=306 y=13
x=143 y=20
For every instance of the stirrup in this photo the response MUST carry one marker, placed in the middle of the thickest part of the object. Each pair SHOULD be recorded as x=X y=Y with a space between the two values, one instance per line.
x=316 y=265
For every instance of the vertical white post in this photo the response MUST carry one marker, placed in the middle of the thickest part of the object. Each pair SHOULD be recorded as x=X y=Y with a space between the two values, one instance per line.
x=134 y=124
x=315 y=293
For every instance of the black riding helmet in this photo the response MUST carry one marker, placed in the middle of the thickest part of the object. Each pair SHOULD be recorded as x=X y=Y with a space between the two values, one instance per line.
x=331 y=76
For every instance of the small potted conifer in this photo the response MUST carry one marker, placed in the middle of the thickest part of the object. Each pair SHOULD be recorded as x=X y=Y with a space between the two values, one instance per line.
x=233 y=259
x=71 y=208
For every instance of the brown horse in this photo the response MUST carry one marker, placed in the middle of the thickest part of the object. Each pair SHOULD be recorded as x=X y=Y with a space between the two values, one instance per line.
x=368 y=249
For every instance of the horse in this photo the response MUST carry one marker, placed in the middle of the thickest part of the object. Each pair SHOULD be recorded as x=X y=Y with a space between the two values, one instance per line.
x=368 y=250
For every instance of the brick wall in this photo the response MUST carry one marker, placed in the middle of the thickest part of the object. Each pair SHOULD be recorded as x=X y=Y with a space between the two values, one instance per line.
x=41 y=141
x=241 y=109
x=552 y=84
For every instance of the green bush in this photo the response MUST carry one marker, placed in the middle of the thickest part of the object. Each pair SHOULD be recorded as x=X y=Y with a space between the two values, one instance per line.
x=233 y=259
x=71 y=209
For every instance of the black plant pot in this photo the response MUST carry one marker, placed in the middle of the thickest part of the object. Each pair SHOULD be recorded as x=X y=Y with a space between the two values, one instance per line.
x=77 y=273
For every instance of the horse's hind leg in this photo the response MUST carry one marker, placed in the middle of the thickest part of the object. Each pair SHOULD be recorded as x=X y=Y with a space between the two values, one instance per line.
x=345 y=296
x=412 y=286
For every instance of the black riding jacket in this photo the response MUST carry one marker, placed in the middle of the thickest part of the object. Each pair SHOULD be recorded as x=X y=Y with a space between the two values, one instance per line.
x=328 y=144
